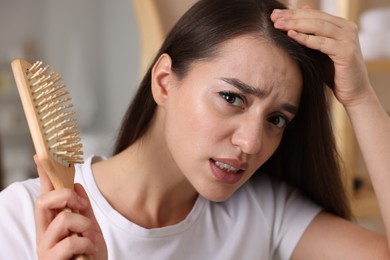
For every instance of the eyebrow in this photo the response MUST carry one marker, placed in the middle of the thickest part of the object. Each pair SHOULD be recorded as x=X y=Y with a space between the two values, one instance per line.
x=243 y=87
x=290 y=108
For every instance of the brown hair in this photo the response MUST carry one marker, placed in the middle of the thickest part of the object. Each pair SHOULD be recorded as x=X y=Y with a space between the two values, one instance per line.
x=306 y=157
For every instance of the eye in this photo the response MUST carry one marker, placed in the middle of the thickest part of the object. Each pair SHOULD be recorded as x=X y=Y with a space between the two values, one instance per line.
x=279 y=121
x=233 y=99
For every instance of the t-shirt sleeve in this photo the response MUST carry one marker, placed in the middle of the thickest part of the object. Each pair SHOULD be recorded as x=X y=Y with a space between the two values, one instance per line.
x=287 y=212
x=17 y=223
x=293 y=214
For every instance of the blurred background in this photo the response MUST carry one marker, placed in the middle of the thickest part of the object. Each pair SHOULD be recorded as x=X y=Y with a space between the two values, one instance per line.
x=100 y=48
x=92 y=44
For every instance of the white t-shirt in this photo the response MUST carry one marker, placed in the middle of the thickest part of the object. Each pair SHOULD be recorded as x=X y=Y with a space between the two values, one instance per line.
x=264 y=219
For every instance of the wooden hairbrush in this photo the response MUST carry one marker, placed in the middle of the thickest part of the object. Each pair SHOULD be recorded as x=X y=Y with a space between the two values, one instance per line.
x=51 y=121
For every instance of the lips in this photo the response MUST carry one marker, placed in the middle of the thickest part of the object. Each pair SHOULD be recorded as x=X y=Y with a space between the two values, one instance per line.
x=228 y=171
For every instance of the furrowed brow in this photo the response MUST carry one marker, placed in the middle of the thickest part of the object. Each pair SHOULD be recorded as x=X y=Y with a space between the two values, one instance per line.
x=245 y=87
x=290 y=108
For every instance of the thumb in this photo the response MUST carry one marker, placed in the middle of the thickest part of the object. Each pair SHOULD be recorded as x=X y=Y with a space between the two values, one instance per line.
x=87 y=211
x=97 y=237
x=44 y=179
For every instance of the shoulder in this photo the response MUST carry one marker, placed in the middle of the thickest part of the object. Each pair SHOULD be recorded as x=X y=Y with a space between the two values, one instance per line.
x=17 y=201
x=25 y=192
x=17 y=223
x=268 y=192
x=287 y=212
x=278 y=199
x=271 y=200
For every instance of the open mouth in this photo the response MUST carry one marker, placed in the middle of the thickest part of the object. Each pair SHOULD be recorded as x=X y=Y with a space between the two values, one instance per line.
x=225 y=172
x=226 y=167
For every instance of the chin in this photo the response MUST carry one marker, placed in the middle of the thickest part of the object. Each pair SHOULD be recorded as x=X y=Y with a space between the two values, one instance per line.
x=220 y=196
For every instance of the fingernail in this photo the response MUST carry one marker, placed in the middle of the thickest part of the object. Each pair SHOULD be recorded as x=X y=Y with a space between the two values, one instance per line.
x=293 y=33
x=277 y=13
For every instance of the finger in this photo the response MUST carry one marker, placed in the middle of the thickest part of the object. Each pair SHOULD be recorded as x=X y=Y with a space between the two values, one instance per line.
x=323 y=44
x=97 y=237
x=314 y=26
x=61 y=199
x=343 y=53
x=47 y=206
x=88 y=212
x=66 y=224
x=45 y=183
x=71 y=246
x=307 y=13
x=320 y=33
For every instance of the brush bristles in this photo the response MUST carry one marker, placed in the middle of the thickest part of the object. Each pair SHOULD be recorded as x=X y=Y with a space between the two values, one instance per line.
x=57 y=121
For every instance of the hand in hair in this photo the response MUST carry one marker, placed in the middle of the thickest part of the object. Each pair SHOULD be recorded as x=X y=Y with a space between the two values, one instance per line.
x=336 y=37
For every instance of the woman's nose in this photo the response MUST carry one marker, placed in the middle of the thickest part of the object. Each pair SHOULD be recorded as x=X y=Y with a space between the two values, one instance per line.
x=249 y=137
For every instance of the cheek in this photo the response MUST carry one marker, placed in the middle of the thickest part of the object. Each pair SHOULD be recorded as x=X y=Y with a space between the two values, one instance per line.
x=191 y=105
x=189 y=125
x=193 y=114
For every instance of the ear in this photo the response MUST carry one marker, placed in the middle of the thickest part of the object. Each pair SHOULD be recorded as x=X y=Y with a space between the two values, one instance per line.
x=161 y=78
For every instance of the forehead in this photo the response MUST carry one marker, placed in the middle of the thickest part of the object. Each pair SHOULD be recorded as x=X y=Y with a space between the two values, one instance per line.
x=257 y=62
x=254 y=56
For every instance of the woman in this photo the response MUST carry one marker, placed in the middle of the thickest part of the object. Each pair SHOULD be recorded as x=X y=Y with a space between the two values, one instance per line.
x=226 y=151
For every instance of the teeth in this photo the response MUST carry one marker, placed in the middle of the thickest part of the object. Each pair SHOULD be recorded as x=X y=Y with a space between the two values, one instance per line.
x=226 y=167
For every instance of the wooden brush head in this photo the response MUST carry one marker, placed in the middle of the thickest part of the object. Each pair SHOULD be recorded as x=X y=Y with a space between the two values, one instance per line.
x=51 y=121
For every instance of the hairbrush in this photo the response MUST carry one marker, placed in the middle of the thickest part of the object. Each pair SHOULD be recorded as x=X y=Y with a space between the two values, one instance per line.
x=51 y=120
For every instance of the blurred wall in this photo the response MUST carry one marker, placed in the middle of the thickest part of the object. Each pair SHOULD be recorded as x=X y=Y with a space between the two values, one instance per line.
x=92 y=44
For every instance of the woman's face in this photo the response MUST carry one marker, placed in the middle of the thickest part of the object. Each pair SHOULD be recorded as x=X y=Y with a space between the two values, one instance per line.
x=226 y=117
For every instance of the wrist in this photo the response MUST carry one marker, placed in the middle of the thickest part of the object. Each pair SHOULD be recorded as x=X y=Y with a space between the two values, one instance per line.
x=366 y=96
x=367 y=102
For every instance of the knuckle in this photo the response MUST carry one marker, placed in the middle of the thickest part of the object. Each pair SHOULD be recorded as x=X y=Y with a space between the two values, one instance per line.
x=289 y=13
x=76 y=245
x=69 y=243
x=348 y=53
x=69 y=197
x=306 y=38
x=89 y=223
x=322 y=24
x=353 y=26
x=62 y=217
x=88 y=226
x=292 y=12
x=39 y=204
x=322 y=41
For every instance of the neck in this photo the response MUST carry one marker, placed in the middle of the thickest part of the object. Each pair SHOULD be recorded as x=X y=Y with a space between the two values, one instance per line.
x=144 y=184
